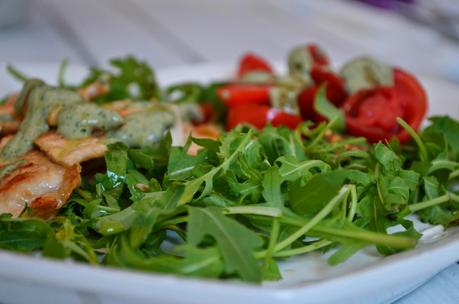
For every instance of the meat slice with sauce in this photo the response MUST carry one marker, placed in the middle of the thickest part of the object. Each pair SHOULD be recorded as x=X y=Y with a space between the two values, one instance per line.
x=69 y=152
x=9 y=122
x=39 y=184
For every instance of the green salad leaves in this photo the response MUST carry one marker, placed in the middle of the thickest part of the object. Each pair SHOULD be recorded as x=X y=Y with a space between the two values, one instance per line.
x=128 y=78
x=249 y=200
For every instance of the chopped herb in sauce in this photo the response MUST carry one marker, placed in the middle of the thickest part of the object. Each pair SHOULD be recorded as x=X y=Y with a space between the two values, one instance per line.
x=40 y=102
x=80 y=120
x=145 y=127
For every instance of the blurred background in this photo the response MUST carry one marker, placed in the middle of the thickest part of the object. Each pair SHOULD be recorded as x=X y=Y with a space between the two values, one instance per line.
x=420 y=35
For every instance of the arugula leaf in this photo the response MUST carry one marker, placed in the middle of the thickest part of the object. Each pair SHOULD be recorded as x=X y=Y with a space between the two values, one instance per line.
x=235 y=241
x=137 y=184
x=143 y=226
x=141 y=159
x=23 y=235
x=73 y=242
x=319 y=190
x=196 y=261
x=279 y=142
x=449 y=128
x=271 y=271
x=184 y=92
x=209 y=144
x=291 y=169
x=15 y=73
x=133 y=79
x=272 y=188
x=181 y=164
x=387 y=158
x=396 y=190
x=193 y=186
x=353 y=238
x=325 y=108
x=438 y=214
x=116 y=222
x=116 y=160
x=236 y=192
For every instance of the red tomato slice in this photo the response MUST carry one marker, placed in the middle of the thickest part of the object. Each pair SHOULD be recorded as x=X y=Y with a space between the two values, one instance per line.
x=336 y=92
x=283 y=118
x=306 y=104
x=254 y=114
x=413 y=98
x=251 y=62
x=372 y=114
x=259 y=116
x=318 y=56
x=238 y=94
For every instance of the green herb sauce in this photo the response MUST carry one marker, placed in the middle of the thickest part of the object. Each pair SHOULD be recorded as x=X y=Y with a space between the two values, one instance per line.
x=146 y=127
x=6 y=117
x=28 y=87
x=300 y=62
x=79 y=120
x=366 y=73
x=40 y=103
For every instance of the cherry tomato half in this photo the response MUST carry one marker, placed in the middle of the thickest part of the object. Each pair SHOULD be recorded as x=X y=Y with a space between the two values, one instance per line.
x=318 y=55
x=259 y=116
x=280 y=118
x=306 y=104
x=254 y=114
x=336 y=92
x=413 y=99
x=251 y=62
x=238 y=94
x=372 y=114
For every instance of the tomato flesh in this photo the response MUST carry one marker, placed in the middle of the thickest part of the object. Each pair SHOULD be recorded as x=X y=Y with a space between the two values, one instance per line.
x=336 y=92
x=380 y=109
x=413 y=99
x=251 y=62
x=280 y=118
x=253 y=114
x=238 y=94
x=318 y=56
x=259 y=116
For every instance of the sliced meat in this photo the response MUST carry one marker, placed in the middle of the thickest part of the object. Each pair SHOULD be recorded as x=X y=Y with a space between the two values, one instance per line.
x=205 y=131
x=126 y=107
x=39 y=184
x=8 y=107
x=4 y=140
x=69 y=152
x=9 y=127
x=94 y=90
x=9 y=122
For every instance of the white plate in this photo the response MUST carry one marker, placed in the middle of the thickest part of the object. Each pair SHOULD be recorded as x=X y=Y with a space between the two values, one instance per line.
x=365 y=278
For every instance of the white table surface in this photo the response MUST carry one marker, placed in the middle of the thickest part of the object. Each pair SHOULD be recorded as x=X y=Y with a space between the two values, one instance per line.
x=173 y=32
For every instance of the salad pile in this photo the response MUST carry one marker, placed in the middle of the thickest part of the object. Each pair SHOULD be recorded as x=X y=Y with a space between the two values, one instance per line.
x=315 y=160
